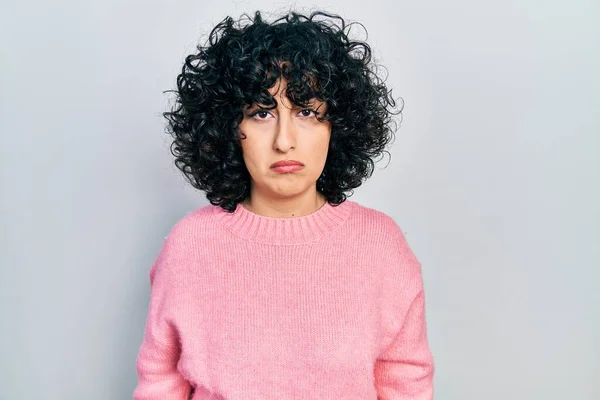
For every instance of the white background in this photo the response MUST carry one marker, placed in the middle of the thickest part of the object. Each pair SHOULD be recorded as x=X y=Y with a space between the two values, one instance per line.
x=494 y=177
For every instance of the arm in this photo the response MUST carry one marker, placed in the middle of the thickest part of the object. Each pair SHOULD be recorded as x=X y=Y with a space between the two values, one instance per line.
x=158 y=377
x=404 y=371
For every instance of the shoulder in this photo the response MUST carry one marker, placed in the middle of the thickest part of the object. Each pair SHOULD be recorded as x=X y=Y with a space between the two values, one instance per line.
x=193 y=225
x=186 y=237
x=373 y=219
x=389 y=234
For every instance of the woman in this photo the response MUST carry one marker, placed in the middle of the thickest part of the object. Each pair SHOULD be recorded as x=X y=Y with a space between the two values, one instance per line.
x=282 y=288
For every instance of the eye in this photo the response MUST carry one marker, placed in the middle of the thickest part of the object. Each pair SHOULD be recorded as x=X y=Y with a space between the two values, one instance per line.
x=260 y=114
x=307 y=112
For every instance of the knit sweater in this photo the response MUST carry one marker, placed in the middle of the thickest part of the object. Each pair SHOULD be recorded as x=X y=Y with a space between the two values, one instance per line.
x=328 y=305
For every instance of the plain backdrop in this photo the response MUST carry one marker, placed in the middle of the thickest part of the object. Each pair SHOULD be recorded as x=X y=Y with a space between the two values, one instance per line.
x=494 y=178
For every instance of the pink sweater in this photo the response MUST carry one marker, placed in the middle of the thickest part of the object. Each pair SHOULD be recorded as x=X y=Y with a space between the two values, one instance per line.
x=328 y=305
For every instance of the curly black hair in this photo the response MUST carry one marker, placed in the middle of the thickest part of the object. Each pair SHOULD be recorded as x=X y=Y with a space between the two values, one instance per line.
x=241 y=60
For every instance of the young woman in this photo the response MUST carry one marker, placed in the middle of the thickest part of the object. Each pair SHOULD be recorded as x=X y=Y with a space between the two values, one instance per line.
x=282 y=288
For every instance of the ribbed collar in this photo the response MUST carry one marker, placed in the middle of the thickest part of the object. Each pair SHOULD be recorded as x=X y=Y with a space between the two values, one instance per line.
x=294 y=230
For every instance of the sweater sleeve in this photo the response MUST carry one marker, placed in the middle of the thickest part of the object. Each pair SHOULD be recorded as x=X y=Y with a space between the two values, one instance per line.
x=404 y=371
x=156 y=364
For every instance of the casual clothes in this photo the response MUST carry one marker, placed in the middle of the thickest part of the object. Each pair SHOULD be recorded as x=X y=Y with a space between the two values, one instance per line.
x=329 y=305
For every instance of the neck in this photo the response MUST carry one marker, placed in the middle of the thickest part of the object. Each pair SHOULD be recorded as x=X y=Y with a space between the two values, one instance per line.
x=287 y=207
x=285 y=231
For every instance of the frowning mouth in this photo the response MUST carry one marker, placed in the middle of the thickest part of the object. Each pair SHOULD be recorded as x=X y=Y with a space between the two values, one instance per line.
x=286 y=162
x=287 y=166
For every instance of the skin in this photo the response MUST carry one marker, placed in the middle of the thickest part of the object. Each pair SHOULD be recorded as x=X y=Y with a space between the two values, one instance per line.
x=288 y=132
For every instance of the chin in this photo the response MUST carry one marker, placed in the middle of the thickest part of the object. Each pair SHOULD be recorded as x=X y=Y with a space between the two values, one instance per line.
x=291 y=190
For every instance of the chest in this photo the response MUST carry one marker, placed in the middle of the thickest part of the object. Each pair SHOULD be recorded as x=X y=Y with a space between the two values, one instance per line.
x=286 y=323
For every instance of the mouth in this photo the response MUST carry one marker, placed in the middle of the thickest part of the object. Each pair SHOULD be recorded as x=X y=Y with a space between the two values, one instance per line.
x=287 y=166
x=285 y=163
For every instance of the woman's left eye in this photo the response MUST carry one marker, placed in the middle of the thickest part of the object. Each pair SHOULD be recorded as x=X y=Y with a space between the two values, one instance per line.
x=307 y=112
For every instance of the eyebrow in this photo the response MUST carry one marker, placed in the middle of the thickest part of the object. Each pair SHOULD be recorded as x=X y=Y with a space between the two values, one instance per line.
x=312 y=103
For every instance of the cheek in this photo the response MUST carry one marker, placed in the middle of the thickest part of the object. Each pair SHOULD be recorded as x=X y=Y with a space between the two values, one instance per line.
x=253 y=152
x=322 y=146
x=249 y=155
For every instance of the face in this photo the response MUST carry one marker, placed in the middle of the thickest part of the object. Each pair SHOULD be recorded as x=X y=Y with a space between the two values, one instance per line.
x=285 y=133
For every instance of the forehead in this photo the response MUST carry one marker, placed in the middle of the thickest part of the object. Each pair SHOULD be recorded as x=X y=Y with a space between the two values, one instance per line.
x=283 y=71
x=278 y=91
x=279 y=88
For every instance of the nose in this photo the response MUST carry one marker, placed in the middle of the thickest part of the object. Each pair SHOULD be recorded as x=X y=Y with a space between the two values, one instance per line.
x=285 y=138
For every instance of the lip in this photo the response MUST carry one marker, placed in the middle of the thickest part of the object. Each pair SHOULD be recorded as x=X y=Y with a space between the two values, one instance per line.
x=285 y=163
